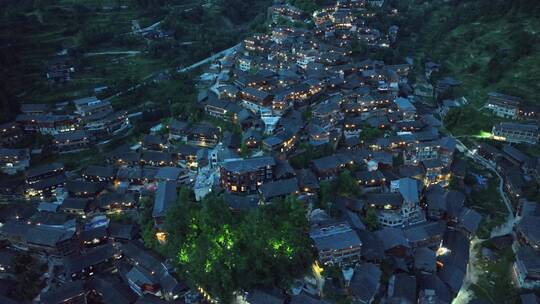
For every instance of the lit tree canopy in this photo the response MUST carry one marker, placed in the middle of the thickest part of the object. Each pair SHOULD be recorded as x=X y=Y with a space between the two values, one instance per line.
x=224 y=252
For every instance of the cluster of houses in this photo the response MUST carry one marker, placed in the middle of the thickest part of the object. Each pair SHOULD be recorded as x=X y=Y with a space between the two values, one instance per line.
x=294 y=93
x=514 y=108
x=403 y=171
x=67 y=224
x=298 y=90
x=73 y=126
x=60 y=69
x=518 y=169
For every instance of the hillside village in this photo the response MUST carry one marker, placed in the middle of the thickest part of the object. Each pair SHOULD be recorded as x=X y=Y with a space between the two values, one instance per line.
x=391 y=196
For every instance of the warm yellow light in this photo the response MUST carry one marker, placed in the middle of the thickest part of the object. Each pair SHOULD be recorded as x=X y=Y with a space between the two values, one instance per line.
x=317 y=270
x=161 y=237
x=443 y=251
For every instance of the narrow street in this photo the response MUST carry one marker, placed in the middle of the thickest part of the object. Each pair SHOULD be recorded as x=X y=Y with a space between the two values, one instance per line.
x=465 y=295
x=483 y=162
x=49 y=276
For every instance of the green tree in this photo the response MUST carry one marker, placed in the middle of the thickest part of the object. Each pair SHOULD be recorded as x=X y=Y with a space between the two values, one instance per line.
x=371 y=220
x=27 y=272
x=176 y=222
x=347 y=185
x=264 y=247
x=326 y=193
x=369 y=133
x=308 y=6
x=358 y=48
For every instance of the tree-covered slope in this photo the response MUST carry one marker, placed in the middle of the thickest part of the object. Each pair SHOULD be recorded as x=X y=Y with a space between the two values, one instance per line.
x=488 y=44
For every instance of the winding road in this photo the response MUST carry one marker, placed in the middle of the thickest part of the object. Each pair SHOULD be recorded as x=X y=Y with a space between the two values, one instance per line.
x=209 y=59
x=130 y=53
x=150 y=77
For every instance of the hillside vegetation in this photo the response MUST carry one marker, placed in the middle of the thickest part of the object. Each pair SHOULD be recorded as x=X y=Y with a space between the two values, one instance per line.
x=97 y=34
x=489 y=45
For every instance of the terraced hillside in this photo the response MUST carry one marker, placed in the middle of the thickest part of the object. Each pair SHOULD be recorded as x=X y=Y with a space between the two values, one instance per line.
x=99 y=36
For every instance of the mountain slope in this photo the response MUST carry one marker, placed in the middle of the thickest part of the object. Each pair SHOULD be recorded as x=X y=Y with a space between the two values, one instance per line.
x=489 y=45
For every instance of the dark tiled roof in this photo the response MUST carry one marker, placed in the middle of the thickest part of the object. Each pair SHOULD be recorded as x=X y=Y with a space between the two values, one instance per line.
x=529 y=259
x=20 y=153
x=168 y=173
x=382 y=199
x=529 y=226
x=515 y=154
x=516 y=126
x=454 y=202
x=178 y=125
x=279 y=188
x=122 y=231
x=249 y=165
x=112 y=292
x=425 y=259
x=455 y=261
x=241 y=202
x=335 y=237
x=402 y=288
x=408 y=188
x=73 y=203
x=327 y=163
x=165 y=198
x=94 y=256
x=48 y=182
x=434 y=283
x=284 y=169
x=424 y=231
x=40 y=170
x=36 y=234
x=77 y=186
x=63 y=293
x=410 y=170
x=469 y=220
x=392 y=237
x=365 y=282
x=307 y=179
x=529 y=298
x=100 y=171
x=156 y=156
x=258 y=296
x=71 y=136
